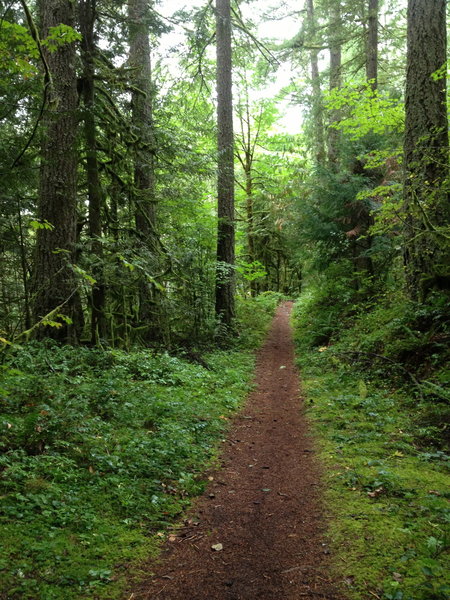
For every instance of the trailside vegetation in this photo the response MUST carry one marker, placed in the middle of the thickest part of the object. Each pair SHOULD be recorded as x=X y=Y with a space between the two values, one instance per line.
x=101 y=451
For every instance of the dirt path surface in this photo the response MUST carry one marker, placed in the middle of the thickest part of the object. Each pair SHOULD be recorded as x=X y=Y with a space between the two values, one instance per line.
x=262 y=506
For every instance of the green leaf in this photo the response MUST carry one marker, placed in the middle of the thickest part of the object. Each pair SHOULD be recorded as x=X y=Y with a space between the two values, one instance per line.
x=44 y=224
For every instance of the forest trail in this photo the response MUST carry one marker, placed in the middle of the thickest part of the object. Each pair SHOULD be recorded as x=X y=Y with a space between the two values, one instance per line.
x=263 y=506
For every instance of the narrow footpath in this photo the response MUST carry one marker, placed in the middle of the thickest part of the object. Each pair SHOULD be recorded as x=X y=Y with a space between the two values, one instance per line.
x=256 y=533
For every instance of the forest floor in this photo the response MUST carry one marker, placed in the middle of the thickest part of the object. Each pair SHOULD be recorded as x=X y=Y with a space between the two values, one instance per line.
x=257 y=533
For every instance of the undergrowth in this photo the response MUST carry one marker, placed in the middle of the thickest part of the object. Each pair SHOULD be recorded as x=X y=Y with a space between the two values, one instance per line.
x=382 y=429
x=101 y=451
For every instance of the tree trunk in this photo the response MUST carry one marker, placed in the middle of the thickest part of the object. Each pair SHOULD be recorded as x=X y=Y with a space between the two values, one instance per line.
x=250 y=213
x=144 y=171
x=87 y=9
x=372 y=45
x=426 y=198
x=335 y=80
x=54 y=283
x=317 y=107
x=225 y=279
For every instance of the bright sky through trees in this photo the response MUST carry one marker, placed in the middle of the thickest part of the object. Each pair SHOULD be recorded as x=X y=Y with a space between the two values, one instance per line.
x=276 y=21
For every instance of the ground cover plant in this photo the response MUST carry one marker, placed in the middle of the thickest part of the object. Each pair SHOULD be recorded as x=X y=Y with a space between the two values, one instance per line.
x=101 y=451
x=382 y=440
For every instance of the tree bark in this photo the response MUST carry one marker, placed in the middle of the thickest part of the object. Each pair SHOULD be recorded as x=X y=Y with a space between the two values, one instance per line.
x=335 y=80
x=53 y=282
x=87 y=15
x=426 y=154
x=317 y=106
x=144 y=169
x=372 y=45
x=225 y=279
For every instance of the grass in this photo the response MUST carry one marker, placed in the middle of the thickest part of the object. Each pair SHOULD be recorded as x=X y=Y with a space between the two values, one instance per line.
x=101 y=452
x=387 y=479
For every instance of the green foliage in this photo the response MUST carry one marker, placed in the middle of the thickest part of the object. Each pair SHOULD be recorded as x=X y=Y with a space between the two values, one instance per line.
x=251 y=271
x=59 y=36
x=18 y=50
x=366 y=111
x=389 y=336
x=387 y=488
x=323 y=310
x=254 y=317
x=101 y=445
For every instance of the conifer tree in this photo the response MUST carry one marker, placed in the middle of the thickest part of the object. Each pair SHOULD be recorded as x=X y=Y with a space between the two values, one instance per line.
x=426 y=154
x=225 y=280
x=54 y=284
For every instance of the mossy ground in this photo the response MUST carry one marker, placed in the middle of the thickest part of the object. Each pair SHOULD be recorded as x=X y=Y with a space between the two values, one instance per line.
x=387 y=483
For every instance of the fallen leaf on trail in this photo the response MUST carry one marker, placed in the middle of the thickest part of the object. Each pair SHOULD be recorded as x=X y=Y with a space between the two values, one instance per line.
x=266 y=489
x=160 y=534
x=283 y=367
x=217 y=547
x=210 y=478
x=172 y=538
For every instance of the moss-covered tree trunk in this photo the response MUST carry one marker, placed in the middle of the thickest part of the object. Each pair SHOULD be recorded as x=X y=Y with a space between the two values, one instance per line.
x=372 y=45
x=225 y=279
x=144 y=171
x=53 y=280
x=87 y=16
x=426 y=197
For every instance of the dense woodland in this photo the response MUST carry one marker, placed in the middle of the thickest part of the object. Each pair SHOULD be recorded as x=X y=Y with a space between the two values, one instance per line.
x=156 y=203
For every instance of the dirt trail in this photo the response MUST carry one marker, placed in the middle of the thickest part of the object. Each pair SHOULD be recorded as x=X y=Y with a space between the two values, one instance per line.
x=263 y=505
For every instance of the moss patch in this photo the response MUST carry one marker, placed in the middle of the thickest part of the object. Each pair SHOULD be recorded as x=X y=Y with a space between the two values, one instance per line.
x=387 y=492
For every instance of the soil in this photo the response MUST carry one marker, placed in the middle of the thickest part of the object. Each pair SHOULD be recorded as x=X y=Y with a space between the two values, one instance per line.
x=262 y=509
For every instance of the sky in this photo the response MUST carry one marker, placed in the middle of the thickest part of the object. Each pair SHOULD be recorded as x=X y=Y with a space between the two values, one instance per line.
x=279 y=30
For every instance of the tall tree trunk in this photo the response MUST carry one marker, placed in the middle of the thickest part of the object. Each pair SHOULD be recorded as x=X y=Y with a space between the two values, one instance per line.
x=372 y=45
x=335 y=32
x=144 y=172
x=317 y=106
x=87 y=16
x=246 y=158
x=54 y=283
x=250 y=214
x=24 y=267
x=225 y=279
x=426 y=195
